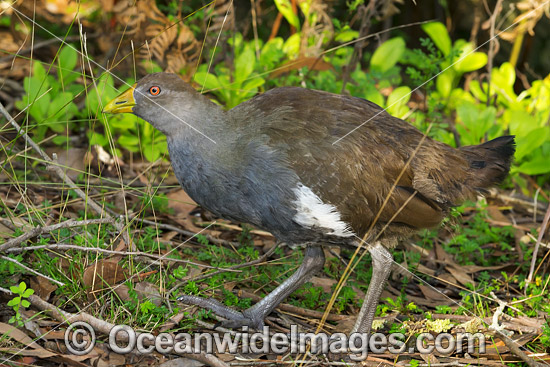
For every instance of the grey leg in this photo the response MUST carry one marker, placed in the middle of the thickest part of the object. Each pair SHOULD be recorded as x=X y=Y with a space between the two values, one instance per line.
x=382 y=261
x=314 y=259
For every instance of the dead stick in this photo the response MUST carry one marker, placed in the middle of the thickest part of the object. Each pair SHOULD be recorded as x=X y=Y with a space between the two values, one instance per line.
x=62 y=246
x=105 y=327
x=537 y=245
x=39 y=230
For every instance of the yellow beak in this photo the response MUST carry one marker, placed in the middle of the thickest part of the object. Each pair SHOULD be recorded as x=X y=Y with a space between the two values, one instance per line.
x=123 y=103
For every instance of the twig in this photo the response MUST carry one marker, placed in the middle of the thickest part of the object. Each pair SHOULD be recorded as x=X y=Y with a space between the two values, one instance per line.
x=492 y=48
x=537 y=245
x=502 y=334
x=367 y=13
x=62 y=246
x=31 y=270
x=51 y=165
x=39 y=230
x=105 y=327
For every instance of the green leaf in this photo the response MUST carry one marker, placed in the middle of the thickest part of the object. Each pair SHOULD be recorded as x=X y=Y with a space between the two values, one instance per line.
x=97 y=139
x=387 y=55
x=530 y=142
x=444 y=82
x=28 y=292
x=244 y=65
x=14 y=301
x=347 y=34
x=62 y=107
x=22 y=287
x=253 y=84
x=473 y=61
x=397 y=100
x=292 y=45
x=474 y=123
x=60 y=140
x=536 y=166
x=439 y=35
x=130 y=142
x=206 y=80
x=67 y=59
x=25 y=303
x=285 y=8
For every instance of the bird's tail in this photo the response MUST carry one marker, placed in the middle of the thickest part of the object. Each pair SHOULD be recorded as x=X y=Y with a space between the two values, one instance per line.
x=491 y=160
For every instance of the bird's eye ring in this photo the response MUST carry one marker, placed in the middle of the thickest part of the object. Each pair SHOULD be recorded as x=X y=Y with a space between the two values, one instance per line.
x=154 y=90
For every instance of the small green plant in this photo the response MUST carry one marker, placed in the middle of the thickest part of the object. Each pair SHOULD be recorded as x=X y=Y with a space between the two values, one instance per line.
x=232 y=84
x=49 y=100
x=20 y=301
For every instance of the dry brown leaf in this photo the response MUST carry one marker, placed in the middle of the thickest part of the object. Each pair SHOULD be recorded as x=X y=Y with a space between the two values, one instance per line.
x=325 y=283
x=72 y=159
x=460 y=275
x=102 y=274
x=148 y=291
x=312 y=63
x=432 y=294
x=495 y=213
x=123 y=292
x=43 y=287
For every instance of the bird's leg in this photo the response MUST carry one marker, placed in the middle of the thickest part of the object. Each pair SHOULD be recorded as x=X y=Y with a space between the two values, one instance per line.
x=382 y=260
x=314 y=259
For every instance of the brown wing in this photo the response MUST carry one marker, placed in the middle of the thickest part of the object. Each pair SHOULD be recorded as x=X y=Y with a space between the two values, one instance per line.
x=356 y=173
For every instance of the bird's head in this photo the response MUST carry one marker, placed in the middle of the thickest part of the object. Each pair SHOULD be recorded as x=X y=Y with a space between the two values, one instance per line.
x=162 y=99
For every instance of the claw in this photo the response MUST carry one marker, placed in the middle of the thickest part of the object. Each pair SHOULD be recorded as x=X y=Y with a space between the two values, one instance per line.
x=235 y=319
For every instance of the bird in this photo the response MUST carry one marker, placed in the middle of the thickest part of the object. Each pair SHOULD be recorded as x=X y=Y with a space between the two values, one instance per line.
x=315 y=169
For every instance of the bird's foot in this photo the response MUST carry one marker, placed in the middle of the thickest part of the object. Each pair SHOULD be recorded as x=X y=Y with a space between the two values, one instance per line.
x=234 y=319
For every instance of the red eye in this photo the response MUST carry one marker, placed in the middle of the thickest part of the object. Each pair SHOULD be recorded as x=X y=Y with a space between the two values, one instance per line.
x=154 y=90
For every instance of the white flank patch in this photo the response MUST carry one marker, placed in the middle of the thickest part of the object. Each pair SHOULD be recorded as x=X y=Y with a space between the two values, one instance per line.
x=312 y=212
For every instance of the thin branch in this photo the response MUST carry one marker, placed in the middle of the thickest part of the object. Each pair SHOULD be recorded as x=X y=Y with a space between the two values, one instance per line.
x=39 y=230
x=62 y=246
x=537 y=245
x=104 y=327
x=31 y=270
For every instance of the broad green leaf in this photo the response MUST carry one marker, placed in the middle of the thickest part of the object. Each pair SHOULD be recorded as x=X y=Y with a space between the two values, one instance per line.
x=444 y=82
x=61 y=108
x=271 y=53
x=129 y=142
x=67 y=59
x=244 y=65
x=345 y=35
x=439 y=35
x=292 y=45
x=206 y=80
x=474 y=122
x=520 y=122
x=374 y=96
x=285 y=8
x=530 y=142
x=28 y=293
x=477 y=91
x=253 y=84
x=97 y=139
x=473 y=61
x=387 y=55
x=536 y=166
x=39 y=73
x=397 y=100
